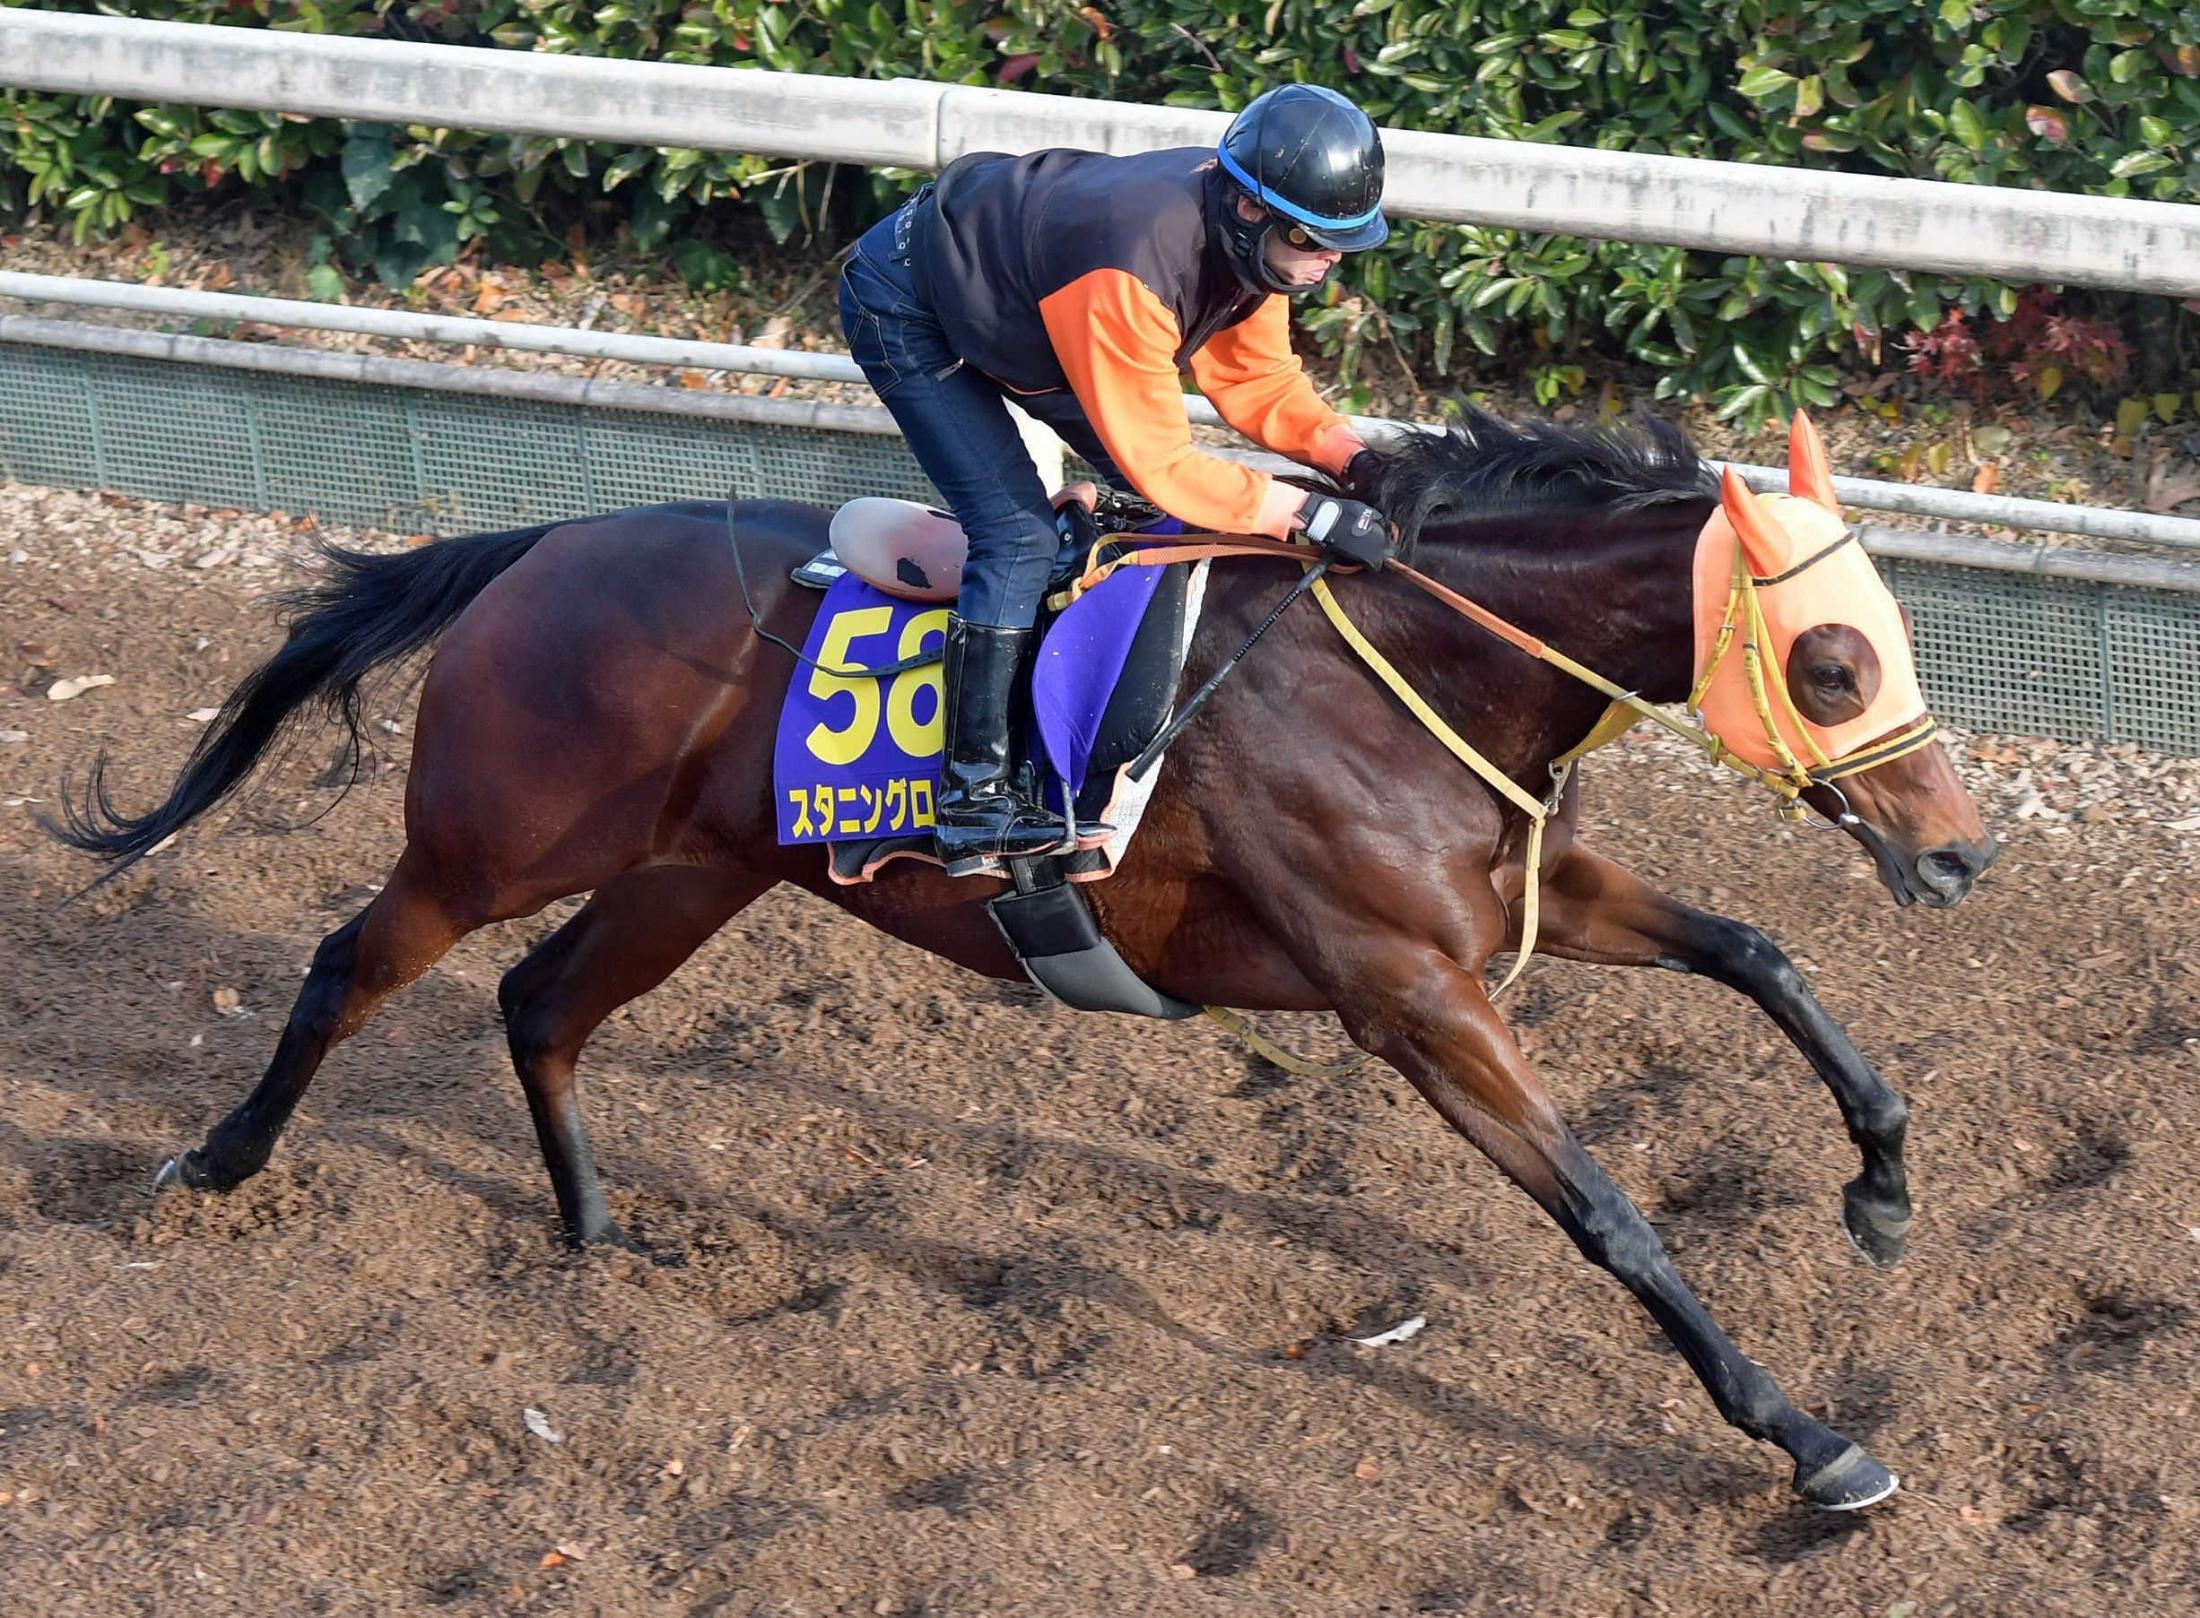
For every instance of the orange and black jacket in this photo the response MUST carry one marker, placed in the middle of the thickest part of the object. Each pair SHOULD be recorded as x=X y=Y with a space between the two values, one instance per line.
x=1096 y=275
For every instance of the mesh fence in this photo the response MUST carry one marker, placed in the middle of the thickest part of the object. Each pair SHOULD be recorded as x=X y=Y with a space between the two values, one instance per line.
x=1997 y=651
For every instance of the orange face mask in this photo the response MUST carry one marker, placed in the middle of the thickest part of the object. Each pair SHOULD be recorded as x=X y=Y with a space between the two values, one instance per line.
x=1769 y=568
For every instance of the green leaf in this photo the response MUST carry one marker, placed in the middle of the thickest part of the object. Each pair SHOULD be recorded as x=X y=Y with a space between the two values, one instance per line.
x=1760 y=83
x=1969 y=128
x=366 y=168
x=1757 y=397
x=2136 y=163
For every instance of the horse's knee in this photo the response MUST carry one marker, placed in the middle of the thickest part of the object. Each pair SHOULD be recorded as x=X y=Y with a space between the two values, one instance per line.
x=1884 y=1120
x=1746 y=958
x=328 y=984
x=529 y=1027
x=1612 y=1232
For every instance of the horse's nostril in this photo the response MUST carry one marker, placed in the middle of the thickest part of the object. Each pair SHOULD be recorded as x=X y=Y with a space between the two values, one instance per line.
x=1946 y=869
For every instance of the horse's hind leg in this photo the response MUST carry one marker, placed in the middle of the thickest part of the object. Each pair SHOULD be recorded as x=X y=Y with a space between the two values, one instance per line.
x=1599 y=912
x=406 y=930
x=630 y=936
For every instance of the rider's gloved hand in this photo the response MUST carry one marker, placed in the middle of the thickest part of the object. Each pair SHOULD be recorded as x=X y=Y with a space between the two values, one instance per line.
x=1348 y=530
x=1363 y=474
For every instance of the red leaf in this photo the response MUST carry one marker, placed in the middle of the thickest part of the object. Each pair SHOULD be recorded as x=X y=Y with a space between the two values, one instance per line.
x=2048 y=124
x=2069 y=86
x=1017 y=66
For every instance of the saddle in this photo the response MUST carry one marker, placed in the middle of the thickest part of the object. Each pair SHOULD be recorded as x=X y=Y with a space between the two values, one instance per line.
x=1099 y=691
x=915 y=552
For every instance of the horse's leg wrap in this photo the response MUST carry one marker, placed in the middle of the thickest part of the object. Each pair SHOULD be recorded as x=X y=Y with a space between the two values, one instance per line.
x=1875 y=1206
x=1600 y=912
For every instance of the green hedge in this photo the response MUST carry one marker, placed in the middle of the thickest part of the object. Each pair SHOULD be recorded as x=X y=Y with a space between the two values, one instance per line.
x=2098 y=96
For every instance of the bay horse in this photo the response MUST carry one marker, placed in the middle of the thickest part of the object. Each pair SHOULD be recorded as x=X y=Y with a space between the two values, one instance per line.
x=599 y=718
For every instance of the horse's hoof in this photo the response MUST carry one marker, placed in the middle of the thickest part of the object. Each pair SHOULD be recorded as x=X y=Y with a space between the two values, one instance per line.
x=1874 y=1230
x=610 y=1236
x=185 y=1171
x=1850 y=1481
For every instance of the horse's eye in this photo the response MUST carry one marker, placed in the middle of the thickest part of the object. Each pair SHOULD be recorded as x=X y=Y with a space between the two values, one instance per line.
x=1833 y=676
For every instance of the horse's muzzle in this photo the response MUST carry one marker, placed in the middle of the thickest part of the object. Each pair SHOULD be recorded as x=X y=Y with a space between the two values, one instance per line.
x=1943 y=875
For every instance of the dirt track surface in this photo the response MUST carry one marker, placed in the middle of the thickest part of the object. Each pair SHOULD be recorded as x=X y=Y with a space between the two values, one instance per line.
x=989 y=1308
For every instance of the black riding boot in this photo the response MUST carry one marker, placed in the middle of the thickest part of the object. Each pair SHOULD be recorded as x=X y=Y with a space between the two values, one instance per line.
x=980 y=814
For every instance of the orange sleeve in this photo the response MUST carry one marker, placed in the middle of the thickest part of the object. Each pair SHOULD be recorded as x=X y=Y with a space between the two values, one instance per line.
x=1260 y=388
x=1117 y=345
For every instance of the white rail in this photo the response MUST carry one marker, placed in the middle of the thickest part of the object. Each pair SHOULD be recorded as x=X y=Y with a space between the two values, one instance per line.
x=1998 y=231
x=1954 y=505
x=2100 y=567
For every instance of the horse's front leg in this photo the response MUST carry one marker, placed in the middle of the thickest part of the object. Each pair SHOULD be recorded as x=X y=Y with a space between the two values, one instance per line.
x=1602 y=913
x=1416 y=1008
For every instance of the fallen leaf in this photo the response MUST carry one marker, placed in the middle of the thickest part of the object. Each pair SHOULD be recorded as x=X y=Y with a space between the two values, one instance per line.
x=13 y=736
x=203 y=716
x=1987 y=479
x=1367 y=1471
x=2168 y=488
x=227 y=1000
x=1404 y=1331
x=539 y=1425
x=550 y=1559
x=36 y=653
x=1992 y=438
x=63 y=690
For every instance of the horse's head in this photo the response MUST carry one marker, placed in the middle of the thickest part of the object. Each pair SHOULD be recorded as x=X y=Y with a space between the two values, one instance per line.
x=1804 y=670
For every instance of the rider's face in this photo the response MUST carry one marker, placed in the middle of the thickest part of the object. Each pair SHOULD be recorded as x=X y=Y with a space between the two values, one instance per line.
x=1300 y=262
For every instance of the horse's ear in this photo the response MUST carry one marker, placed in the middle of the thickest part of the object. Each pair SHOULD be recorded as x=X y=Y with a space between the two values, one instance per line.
x=1761 y=547
x=1809 y=476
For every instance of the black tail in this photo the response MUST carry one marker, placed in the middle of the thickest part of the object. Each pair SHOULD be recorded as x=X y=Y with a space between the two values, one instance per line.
x=370 y=610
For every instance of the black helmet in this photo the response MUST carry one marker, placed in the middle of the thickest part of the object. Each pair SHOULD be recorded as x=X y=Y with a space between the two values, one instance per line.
x=1313 y=160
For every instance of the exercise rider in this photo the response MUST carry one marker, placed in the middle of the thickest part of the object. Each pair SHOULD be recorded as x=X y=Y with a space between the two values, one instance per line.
x=1082 y=285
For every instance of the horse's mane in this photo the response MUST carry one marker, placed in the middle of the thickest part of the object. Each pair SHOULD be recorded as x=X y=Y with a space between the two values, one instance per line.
x=1482 y=467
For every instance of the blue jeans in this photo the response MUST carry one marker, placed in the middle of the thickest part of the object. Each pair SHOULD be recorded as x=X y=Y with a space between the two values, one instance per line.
x=957 y=424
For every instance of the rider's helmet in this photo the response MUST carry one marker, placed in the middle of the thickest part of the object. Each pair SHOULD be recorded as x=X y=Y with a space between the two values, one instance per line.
x=1314 y=163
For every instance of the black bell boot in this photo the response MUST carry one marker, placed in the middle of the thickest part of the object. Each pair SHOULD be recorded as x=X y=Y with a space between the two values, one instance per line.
x=980 y=816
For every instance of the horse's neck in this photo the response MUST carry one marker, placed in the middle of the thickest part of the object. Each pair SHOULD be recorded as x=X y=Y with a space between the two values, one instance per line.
x=1611 y=591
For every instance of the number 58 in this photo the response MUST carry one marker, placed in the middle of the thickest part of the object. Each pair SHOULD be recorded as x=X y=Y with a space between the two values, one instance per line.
x=852 y=740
